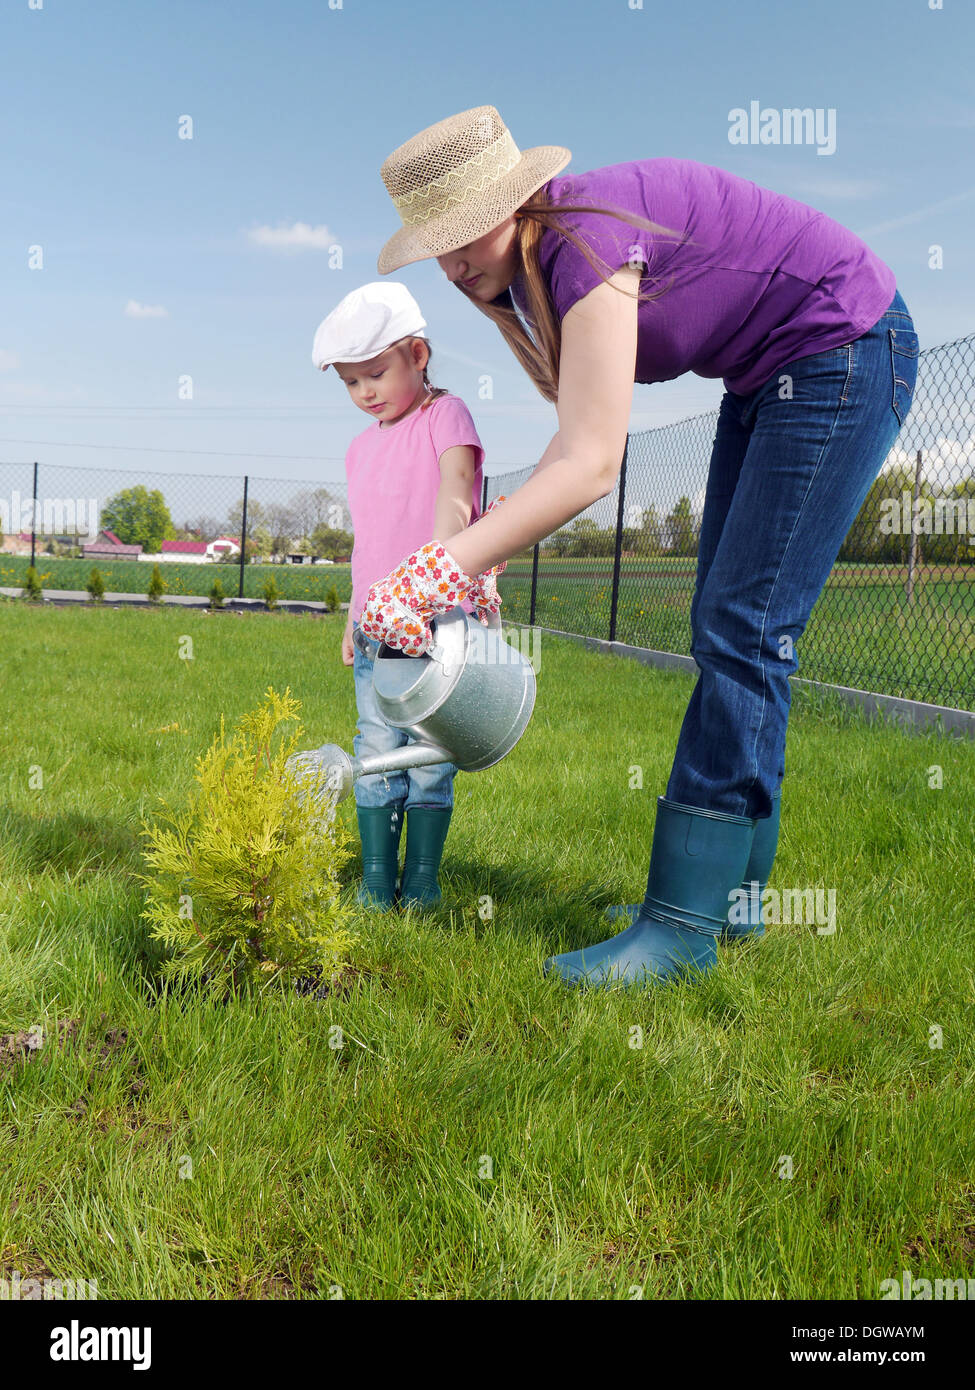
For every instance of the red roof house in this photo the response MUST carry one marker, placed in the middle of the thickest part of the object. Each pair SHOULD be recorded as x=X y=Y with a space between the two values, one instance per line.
x=184 y=548
x=107 y=546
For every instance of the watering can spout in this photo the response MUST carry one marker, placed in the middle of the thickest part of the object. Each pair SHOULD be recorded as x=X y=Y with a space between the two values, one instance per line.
x=339 y=772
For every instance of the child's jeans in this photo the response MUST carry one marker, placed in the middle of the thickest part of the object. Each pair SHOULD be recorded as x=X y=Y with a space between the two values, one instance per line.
x=791 y=465
x=418 y=786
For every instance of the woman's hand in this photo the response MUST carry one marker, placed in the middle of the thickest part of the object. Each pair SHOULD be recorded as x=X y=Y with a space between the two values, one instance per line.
x=398 y=608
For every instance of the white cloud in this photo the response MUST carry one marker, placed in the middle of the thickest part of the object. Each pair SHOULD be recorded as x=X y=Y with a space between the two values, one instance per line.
x=9 y=361
x=135 y=310
x=300 y=236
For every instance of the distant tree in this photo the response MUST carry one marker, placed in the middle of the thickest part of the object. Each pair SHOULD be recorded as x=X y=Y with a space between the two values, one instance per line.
x=651 y=528
x=589 y=539
x=682 y=529
x=280 y=521
x=260 y=537
x=316 y=509
x=327 y=543
x=559 y=543
x=235 y=517
x=138 y=517
x=966 y=489
x=956 y=543
x=207 y=528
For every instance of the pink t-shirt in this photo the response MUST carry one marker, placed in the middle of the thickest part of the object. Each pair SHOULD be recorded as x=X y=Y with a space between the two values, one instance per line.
x=393 y=475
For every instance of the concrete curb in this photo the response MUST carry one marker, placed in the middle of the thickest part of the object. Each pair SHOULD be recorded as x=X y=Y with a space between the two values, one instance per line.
x=62 y=598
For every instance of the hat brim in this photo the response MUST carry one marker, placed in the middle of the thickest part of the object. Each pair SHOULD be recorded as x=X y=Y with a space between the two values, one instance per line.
x=368 y=356
x=462 y=224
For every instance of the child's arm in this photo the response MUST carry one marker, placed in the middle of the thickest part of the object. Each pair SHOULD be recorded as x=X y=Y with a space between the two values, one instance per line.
x=348 y=652
x=454 y=502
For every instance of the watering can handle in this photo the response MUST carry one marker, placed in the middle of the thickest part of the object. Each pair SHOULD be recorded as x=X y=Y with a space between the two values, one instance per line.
x=362 y=642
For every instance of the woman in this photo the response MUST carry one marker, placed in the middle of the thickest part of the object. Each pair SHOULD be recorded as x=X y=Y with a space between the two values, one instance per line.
x=682 y=268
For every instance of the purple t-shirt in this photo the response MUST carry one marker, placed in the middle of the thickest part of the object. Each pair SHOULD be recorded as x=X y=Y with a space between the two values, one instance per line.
x=763 y=280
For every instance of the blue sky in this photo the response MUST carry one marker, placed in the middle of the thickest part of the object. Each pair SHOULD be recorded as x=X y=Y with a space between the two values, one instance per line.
x=294 y=107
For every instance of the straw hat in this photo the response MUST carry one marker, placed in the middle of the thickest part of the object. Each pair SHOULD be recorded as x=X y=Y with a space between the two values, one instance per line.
x=457 y=180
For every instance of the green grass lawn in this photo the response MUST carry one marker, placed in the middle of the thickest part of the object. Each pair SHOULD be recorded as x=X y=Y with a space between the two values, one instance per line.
x=483 y=1132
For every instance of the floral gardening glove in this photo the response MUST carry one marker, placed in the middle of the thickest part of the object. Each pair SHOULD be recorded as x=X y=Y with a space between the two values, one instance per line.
x=398 y=609
x=484 y=595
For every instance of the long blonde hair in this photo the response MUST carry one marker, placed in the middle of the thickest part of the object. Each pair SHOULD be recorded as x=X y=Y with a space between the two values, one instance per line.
x=540 y=356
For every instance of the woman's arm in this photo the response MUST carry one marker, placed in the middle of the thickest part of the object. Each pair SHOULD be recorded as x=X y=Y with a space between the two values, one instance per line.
x=454 y=496
x=552 y=452
x=598 y=365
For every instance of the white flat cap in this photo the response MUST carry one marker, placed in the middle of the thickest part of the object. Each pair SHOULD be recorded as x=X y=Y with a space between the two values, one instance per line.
x=365 y=323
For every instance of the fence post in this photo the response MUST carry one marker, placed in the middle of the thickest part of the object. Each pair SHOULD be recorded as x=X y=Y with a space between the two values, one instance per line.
x=483 y=495
x=619 y=544
x=33 y=517
x=243 y=542
x=912 y=551
x=531 y=606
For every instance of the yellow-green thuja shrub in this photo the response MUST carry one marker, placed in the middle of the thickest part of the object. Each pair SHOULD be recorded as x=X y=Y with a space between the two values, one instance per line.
x=244 y=882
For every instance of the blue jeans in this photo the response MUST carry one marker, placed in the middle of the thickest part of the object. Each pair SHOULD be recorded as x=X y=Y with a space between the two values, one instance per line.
x=789 y=472
x=418 y=786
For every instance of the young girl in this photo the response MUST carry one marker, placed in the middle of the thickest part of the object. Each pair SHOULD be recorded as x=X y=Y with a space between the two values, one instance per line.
x=415 y=472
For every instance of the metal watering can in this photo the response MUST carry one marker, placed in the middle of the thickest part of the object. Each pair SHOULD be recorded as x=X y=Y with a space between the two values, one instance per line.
x=467 y=701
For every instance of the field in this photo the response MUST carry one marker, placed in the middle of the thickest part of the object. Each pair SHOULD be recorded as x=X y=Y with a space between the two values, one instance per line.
x=862 y=632
x=795 y=1125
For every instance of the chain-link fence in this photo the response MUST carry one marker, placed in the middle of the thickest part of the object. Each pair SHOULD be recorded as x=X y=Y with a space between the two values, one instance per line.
x=195 y=527
x=897 y=615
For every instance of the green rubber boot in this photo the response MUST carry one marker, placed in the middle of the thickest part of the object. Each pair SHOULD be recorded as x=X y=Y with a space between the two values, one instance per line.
x=380 y=828
x=745 y=917
x=426 y=832
x=698 y=858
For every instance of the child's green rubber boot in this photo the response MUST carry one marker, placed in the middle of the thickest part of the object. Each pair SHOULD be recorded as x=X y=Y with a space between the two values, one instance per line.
x=426 y=832
x=697 y=859
x=380 y=828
